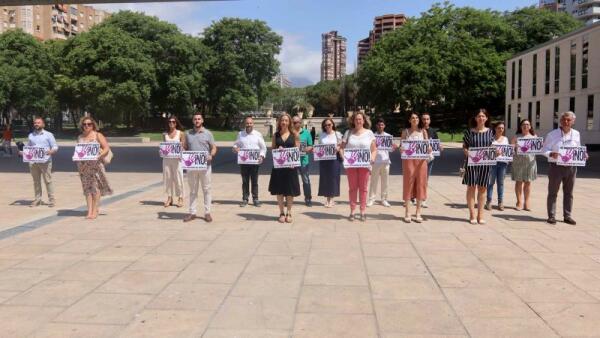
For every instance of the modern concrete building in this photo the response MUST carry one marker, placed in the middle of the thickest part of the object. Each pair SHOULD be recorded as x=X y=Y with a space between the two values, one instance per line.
x=381 y=25
x=47 y=22
x=557 y=76
x=584 y=10
x=333 y=63
x=282 y=81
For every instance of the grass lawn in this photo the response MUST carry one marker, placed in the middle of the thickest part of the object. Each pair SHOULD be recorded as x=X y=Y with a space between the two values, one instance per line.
x=447 y=137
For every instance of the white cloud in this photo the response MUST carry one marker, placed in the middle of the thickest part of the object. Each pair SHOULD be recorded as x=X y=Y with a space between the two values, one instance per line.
x=298 y=60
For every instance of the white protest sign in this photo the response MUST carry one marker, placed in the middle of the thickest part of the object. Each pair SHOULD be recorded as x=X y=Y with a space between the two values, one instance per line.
x=170 y=149
x=415 y=150
x=482 y=156
x=194 y=160
x=572 y=156
x=248 y=156
x=303 y=146
x=384 y=142
x=286 y=158
x=436 y=147
x=530 y=145
x=86 y=151
x=507 y=152
x=32 y=154
x=325 y=152
x=357 y=158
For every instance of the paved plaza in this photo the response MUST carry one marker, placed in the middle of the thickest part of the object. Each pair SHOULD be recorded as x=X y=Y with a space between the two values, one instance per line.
x=139 y=271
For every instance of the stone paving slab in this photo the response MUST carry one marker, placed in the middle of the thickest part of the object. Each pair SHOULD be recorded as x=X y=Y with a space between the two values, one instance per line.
x=139 y=271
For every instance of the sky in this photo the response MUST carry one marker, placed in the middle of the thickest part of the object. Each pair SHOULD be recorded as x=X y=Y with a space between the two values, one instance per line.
x=301 y=22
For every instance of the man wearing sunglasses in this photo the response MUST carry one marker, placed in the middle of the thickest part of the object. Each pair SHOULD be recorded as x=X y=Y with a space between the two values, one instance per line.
x=200 y=139
x=42 y=138
x=306 y=144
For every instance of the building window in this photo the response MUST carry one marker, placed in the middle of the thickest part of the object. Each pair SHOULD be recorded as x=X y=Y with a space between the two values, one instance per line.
x=512 y=82
x=534 y=76
x=590 y=112
x=584 y=62
x=530 y=112
x=520 y=78
x=573 y=64
x=538 y=109
x=555 y=117
x=518 y=114
x=572 y=104
x=556 y=69
x=547 y=75
x=509 y=116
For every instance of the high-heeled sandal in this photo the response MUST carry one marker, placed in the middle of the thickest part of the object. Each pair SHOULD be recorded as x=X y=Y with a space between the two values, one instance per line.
x=288 y=218
x=168 y=202
x=281 y=218
x=419 y=219
x=179 y=202
x=407 y=219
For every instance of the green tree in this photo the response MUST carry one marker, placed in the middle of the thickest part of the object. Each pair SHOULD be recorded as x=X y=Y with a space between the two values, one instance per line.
x=326 y=97
x=109 y=74
x=25 y=81
x=238 y=78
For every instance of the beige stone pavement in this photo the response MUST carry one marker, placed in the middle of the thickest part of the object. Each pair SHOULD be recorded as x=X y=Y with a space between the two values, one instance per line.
x=139 y=271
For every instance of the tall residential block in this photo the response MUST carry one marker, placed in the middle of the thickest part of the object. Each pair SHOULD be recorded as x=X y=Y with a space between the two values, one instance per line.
x=587 y=11
x=381 y=25
x=557 y=76
x=47 y=22
x=333 y=63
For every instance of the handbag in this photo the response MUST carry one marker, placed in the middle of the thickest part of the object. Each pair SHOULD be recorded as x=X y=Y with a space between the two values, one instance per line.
x=108 y=158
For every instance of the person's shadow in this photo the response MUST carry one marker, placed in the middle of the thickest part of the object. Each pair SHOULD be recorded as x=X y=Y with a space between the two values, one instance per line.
x=257 y=217
x=22 y=203
x=521 y=218
x=171 y=215
x=153 y=203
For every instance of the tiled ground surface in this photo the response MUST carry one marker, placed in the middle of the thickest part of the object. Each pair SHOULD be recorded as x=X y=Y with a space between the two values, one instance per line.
x=139 y=271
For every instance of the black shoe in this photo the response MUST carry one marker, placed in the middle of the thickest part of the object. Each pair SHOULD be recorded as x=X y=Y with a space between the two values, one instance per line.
x=551 y=220
x=243 y=204
x=569 y=220
x=256 y=203
x=308 y=203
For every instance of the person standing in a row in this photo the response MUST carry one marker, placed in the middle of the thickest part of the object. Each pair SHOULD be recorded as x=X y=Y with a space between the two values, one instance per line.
x=433 y=135
x=565 y=135
x=92 y=173
x=381 y=170
x=306 y=142
x=477 y=178
x=284 y=181
x=524 y=168
x=249 y=138
x=329 y=171
x=414 y=171
x=40 y=137
x=498 y=171
x=200 y=139
x=359 y=136
x=172 y=171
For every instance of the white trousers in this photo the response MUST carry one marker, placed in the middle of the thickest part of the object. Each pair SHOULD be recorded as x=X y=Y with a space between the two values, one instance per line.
x=379 y=171
x=173 y=177
x=195 y=179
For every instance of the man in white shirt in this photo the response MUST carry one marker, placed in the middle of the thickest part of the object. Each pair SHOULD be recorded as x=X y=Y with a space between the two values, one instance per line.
x=250 y=139
x=563 y=136
x=380 y=169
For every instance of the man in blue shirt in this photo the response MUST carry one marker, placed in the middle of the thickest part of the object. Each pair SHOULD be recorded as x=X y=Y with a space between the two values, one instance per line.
x=42 y=138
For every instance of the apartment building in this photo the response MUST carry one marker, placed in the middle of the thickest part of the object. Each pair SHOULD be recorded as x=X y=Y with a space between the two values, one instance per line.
x=333 y=52
x=381 y=25
x=46 y=22
x=587 y=11
x=282 y=81
x=557 y=76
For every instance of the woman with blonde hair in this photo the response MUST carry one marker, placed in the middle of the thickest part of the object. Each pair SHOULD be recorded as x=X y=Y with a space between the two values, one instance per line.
x=284 y=181
x=359 y=136
x=172 y=171
x=92 y=173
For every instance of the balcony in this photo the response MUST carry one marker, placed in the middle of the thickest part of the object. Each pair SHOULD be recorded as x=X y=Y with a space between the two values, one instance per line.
x=588 y=13
x=587 y=3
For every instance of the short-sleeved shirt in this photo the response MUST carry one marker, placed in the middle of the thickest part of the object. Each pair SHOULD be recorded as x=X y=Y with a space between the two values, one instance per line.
x=362 y=141
x=305 y=137
x=199 y=140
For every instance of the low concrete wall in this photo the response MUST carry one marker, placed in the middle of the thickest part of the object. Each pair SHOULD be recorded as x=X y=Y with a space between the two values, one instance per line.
x=128 y=139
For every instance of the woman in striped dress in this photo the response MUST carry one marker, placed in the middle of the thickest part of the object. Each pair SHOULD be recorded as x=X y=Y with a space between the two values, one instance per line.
x=524 y=168
x=477 y=178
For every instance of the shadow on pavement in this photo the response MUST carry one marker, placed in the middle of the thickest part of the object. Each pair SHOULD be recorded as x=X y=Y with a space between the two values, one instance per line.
x=71 y=213
x=444 y=218
x=153 y=203
x=520 y=218
x=23 y=203
x=322 y=215
x=256 y=217
x=456 y=205
x=171 y=215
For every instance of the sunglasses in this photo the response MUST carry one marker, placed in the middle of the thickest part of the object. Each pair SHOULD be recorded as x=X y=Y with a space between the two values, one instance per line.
x=328 y=125
x=88 y=124
x=173 y=122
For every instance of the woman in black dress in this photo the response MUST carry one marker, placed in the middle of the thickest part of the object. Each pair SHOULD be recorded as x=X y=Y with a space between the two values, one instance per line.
x=477 y=178
x=284 y=181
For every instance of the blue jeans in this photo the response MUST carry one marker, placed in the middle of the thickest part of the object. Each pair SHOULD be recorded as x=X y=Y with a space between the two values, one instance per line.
x=429 y=168
x=304 y=174
x=497 y=176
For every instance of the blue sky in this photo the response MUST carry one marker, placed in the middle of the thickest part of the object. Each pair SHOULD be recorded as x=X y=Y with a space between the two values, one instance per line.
x=301 y=22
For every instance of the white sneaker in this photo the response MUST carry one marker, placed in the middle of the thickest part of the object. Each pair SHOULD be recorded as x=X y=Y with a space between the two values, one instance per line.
x=370 y=203
x=385 y=203
x=424 y=204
